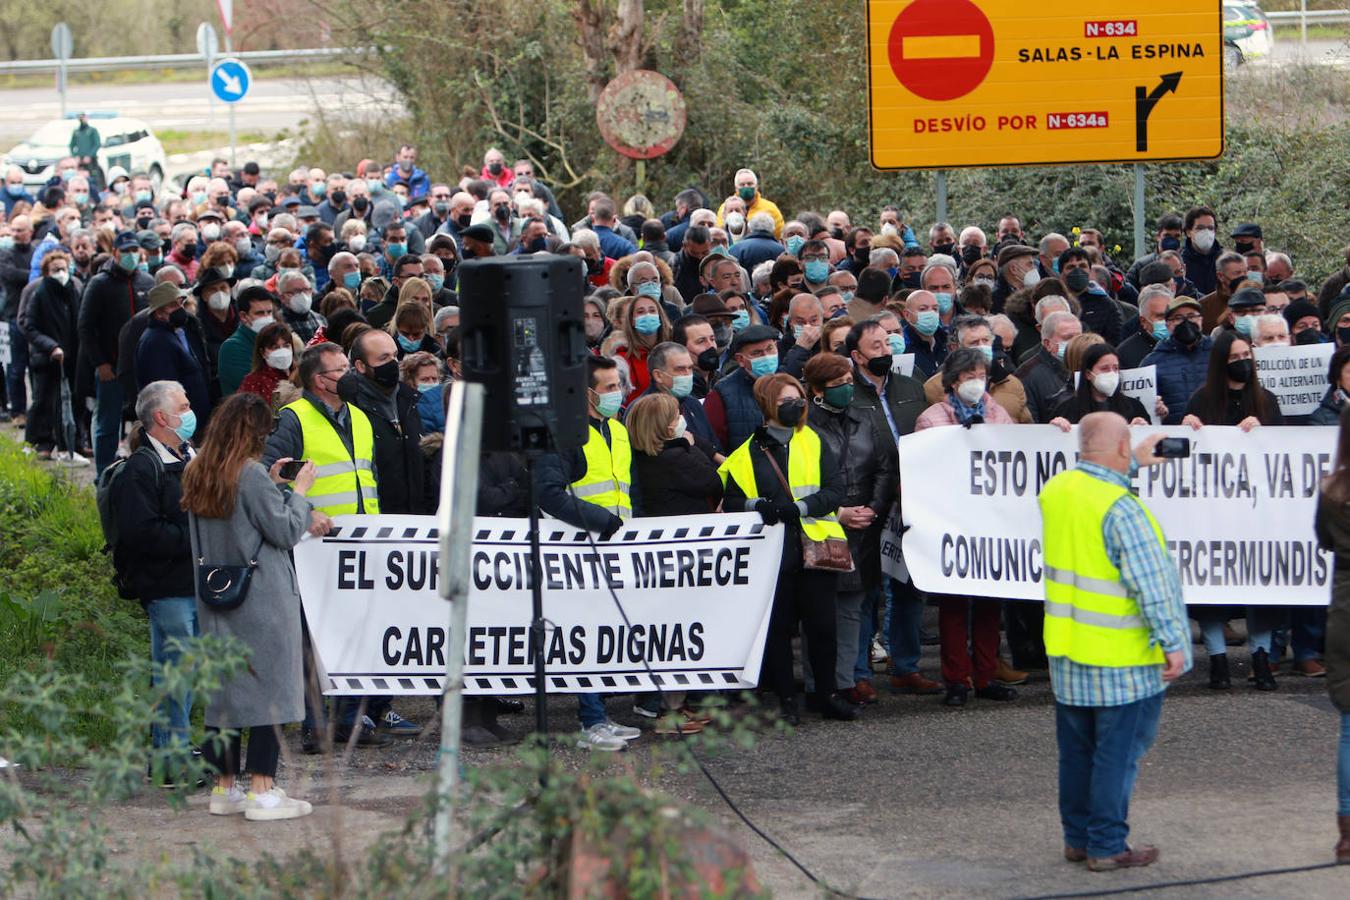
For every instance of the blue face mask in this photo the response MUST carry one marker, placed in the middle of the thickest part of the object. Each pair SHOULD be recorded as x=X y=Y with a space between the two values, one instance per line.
x=681 y=386
x=397 y=250
x=848 y=296
x=128 y=261
x=187 y=426
x=650 y=289
x=794 y=244
x=352 y=280
x=16 y=190
x=892 y=271
x=1243 y=326
x=647 y=324
x=817 y=270
x=317 y=190
x=6 y=243
x=764 y=365
x=142 y=195
x=928 y=322
x=436 y=281
x=608 y=405
x=408 y=344
x=426 y=388
x=1160 y=331
x=897 y=343
x=143 y=266
x=80 y=199
x=987 y=351
x=1064 y=345
x=740 y=319
x=945 y=303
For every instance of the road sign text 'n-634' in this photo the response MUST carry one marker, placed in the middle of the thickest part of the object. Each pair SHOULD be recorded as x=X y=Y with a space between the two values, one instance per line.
x=955 y=83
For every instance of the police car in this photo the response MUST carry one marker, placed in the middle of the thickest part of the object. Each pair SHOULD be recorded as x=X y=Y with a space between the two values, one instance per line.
x=128 y=143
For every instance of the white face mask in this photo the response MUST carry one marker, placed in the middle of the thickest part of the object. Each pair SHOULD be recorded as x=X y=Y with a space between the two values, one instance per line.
x=210 y=233
x=889 y=228
x=219 y=301
x=300 y=303
x=1106 y=383
x=260 y=323
x=1203 y=239
x=280 y=358
x=735 y=222
x=62 y=276
x=243 y=246
x=680 y=427
x=357 y=243
x=971 y=391
x=1032 y=278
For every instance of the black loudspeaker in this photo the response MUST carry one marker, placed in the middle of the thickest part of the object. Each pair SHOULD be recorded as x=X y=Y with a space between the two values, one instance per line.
x=522 y=336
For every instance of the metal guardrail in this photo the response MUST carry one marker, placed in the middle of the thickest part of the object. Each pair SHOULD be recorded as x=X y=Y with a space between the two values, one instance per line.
x=1310 y=17
x=169 y=60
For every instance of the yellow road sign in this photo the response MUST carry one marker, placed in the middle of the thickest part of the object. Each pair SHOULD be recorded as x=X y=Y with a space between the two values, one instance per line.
x=956 y=83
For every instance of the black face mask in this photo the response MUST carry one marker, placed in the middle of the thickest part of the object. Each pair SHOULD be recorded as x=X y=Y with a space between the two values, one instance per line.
x=1309 y=336
x=790 y=412
x=837 y=233
x=971 y=254
x=946 y=248
x=166 y=246
x=384 y=375
x=360 y=204
x=861 y=253
x=593 y=266
x=538 y=245
x=1170 y=243
x=463 y=220
x=338 y=198
x=911 y=280
x=1233 y=285
x=143 y=222
x=1186 y=334
x=271 y=195
x=1244 y=247
x=495 y=168
x=188 y=252
x=999 y=370
x=707 y=360
x=1342 y=335
x=1240 y=370
x=178 y=318
x=879 y=365
x=502 y=214
x=1077 y=280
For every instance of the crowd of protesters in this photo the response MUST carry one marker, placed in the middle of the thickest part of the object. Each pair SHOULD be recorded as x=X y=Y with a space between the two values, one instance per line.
x=742 y=360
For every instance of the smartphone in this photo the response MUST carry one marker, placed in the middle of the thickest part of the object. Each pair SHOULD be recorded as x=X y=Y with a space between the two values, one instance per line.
x=291 y=469
x=1173 y=448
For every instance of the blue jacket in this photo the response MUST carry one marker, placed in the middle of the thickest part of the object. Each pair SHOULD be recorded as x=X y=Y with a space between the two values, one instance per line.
x=737 y=392
x=613 y=245
x=754 y=249
x=431 y=410
x=1180 y=374
x=418 y=182
x=10 y=199
x=160 y=355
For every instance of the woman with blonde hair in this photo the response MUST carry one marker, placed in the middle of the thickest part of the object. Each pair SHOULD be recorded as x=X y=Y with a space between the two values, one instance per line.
x=1073 y=354
x=418 y=289
x=411 y=328
x=238 y=515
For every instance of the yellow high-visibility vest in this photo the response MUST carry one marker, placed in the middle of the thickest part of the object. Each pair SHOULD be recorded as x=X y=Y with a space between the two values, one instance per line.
x=1089 y=616
x=343 y=477
x=803 y=477
x=609 y=467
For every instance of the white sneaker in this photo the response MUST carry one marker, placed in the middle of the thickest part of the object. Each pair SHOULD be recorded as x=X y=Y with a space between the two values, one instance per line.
x=72 y=459
x=879 y=653
x=622 y=732
x=228 y=802
x=598 y=737
x=274 y=804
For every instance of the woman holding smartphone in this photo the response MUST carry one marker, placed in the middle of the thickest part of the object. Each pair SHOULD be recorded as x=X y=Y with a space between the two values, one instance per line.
x=239 y=513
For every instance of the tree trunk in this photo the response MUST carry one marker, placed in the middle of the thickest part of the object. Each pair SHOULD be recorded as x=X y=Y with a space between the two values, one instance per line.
x=689 y=42
x=625 y=36
x=590 y=16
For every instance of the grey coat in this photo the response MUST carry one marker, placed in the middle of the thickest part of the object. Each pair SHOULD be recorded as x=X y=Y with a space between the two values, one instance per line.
x=271 y=690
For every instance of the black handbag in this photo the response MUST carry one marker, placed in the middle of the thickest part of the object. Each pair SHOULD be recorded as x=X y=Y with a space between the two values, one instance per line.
x=223 y=587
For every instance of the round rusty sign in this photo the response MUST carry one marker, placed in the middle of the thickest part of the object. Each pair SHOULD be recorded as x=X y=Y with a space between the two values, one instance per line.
x=641 y=114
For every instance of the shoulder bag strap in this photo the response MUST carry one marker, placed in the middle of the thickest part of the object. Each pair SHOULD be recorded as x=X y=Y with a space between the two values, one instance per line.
x=778 y=471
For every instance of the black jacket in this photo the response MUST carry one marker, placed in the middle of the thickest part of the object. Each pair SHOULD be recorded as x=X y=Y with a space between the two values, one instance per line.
x=160 y=356
x=154 y=551
x=822 y=503
x=681 y=480
x=14 y=265
x=685 y=270
x=904 y=398
x=111 y=298
x=1134 y=348
x=48 y=318
x=399 y=461
x=870 y=471
x=1047 y=385
x=1075 y=408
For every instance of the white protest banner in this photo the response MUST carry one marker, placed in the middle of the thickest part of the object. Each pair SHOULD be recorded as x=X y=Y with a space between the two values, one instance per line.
x=697 y=591
x=1141 y=384
x=903 y=363
x=1297 y=375
x=1237 y=514
x=892 y=556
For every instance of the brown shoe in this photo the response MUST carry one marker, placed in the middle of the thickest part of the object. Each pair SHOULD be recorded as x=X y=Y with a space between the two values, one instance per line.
x=1343 y=846
x=1075 y=855
x=1008 y=675
x=1310 y=668
x=675 y=723
x=1132 y=858
x=696 y=715
x=914 y=683
x=866 y=694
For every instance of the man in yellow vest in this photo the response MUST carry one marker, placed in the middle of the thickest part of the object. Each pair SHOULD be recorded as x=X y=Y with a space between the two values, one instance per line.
x=336 y=437
x=593 y=488
x=1115 y=634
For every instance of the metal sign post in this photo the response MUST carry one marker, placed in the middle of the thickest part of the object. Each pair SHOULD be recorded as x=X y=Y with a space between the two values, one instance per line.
x=459 y=498
x=941 y=196
x=230 y=80
x=1139 y=228
x=208 y=46
x=63 y=45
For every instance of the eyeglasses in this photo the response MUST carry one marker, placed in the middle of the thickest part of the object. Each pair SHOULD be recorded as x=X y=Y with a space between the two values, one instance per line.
x=1193 y=317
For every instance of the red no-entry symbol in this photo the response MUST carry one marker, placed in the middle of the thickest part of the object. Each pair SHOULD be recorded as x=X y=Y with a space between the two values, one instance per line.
x=941 y=49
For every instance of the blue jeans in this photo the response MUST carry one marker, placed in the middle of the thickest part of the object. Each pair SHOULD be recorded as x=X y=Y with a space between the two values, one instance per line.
x=873 y=600
x=107 y=422
x=17 y=370
x=1343 y=769
x=906 y=623
x=591 y=710
x=1261 y=622
x=1099 y=752
x=171 y=618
